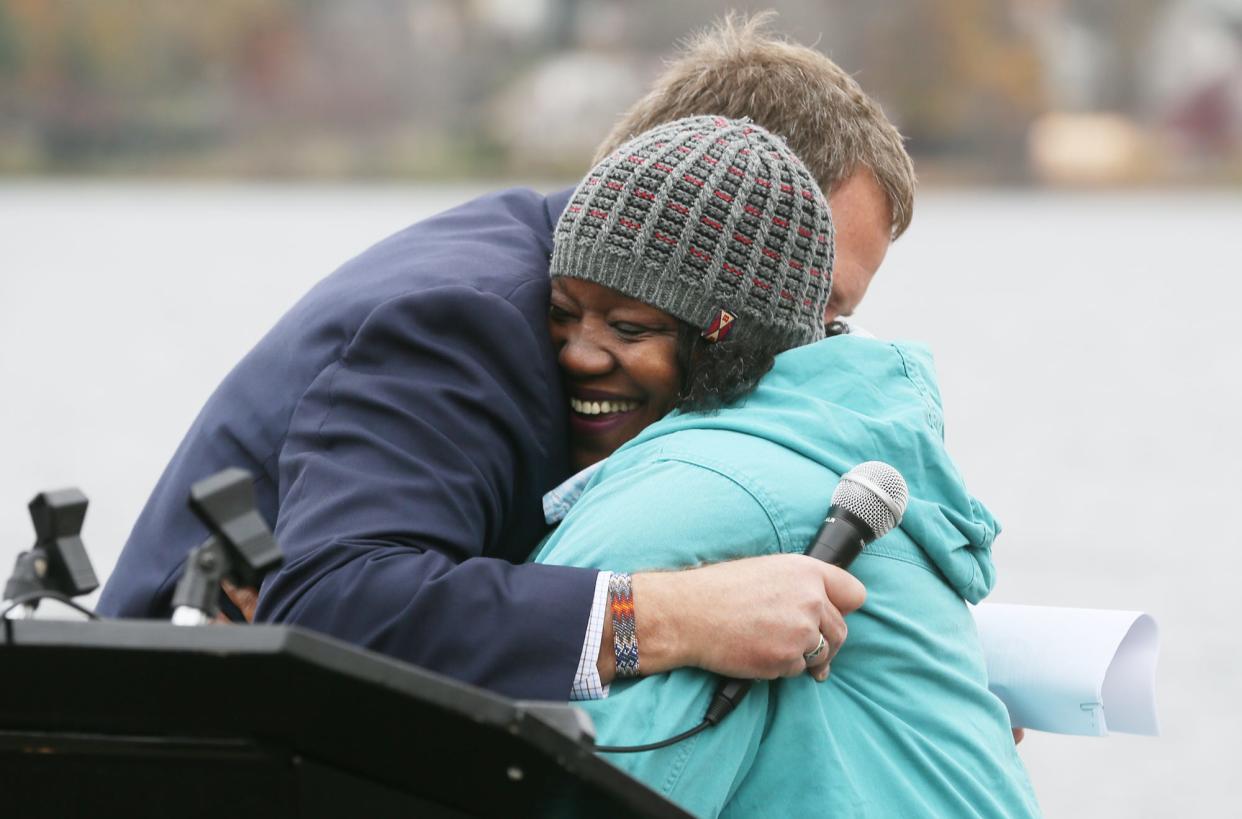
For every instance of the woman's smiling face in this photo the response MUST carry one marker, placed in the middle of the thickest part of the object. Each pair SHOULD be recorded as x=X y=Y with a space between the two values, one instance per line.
x=619 y=359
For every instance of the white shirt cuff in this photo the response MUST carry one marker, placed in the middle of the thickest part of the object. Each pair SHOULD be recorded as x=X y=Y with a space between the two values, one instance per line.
x=587 y=684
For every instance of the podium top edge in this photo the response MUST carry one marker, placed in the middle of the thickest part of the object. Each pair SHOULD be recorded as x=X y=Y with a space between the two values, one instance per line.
x=160 y=637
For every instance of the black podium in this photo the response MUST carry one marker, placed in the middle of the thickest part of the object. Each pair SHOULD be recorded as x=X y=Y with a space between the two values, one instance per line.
x=134 y=718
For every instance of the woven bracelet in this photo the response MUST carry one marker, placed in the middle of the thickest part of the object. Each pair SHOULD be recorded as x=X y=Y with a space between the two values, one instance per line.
x=624 y=634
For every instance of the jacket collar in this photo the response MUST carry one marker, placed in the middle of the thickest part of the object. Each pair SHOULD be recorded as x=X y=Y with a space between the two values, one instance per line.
x=554 y=205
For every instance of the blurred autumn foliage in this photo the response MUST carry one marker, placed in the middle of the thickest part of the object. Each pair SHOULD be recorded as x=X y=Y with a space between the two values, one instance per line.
x=440 y=88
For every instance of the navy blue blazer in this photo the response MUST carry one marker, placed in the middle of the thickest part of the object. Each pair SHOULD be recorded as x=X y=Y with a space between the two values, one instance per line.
x=403 y=421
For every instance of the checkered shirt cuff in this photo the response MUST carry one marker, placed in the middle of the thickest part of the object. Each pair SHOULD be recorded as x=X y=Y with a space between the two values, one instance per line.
x=587 y=684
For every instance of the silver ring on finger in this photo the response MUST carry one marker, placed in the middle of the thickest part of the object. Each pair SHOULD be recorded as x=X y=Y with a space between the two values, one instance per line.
x=812 y=655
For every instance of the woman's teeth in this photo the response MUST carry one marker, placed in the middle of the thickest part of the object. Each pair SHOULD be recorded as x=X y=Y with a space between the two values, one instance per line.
x=601 y=407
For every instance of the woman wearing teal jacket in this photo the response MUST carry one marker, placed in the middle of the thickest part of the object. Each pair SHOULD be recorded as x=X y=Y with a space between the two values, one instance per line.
x=905 y=724
x=690 y=273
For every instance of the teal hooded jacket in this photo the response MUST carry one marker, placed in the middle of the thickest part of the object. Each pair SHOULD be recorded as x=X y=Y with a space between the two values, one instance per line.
x=905 y=724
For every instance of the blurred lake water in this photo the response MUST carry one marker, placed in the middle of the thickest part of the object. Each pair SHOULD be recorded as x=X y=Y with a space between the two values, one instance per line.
x=1087 y=346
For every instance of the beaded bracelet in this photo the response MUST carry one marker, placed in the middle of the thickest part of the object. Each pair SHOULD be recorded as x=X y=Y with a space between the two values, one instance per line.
x=624 y=634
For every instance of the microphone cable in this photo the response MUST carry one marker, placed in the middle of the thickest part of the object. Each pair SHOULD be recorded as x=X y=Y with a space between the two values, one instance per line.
x=652 y=746
x=45 y=594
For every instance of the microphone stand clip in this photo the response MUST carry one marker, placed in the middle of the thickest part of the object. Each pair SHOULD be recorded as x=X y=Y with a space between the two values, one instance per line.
x=240 y=549
x=57 y=566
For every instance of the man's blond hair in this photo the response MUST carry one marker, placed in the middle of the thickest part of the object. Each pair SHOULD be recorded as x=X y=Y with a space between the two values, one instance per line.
x=735 y=68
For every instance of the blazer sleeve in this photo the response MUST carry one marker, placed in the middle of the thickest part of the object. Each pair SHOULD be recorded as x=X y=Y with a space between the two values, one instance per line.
x=410 y=460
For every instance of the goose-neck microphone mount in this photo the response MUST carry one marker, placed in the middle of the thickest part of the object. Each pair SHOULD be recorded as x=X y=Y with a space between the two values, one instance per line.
x=57 y=566
x=241 y=548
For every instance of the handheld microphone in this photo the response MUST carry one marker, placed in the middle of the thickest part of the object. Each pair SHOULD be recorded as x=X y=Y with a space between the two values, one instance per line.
x=867 y=504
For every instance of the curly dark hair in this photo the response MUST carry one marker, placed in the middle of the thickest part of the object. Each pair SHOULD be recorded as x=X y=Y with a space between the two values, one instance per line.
x=714 y=375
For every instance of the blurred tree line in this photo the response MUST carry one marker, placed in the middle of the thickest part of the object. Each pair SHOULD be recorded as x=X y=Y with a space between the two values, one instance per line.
x=451 y=88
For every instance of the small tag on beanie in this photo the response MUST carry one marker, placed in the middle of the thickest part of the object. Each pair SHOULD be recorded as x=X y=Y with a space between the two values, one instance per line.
x=720 y=325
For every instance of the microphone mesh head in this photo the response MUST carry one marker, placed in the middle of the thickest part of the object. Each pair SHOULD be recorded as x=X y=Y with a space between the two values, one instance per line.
x=875 y=493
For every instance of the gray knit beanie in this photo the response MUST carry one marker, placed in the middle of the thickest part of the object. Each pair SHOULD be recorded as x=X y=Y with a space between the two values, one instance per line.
x=712 y=220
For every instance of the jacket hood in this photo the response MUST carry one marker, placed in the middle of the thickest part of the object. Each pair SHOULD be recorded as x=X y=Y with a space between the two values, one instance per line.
x=845 y=400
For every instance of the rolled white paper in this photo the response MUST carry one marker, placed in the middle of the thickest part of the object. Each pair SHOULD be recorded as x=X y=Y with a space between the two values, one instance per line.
x=1072 y=671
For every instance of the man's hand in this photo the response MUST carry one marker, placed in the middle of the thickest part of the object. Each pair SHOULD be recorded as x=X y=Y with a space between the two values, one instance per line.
x=753 y=618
